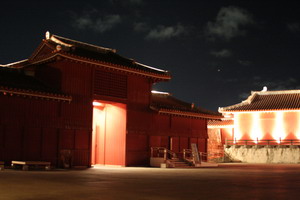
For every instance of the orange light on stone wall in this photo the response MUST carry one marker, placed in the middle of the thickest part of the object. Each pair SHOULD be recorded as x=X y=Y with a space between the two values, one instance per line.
x=262 y=125
x=297 y=126
x=237 y=128
x=279 y=132
x=256 y=132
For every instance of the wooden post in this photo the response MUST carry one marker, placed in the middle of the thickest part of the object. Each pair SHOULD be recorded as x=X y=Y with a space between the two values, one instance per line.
x=151 y=151
x=165 y=154
x=195 y=153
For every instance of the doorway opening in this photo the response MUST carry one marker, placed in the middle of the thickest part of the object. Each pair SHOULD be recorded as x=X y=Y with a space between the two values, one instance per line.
x=109 y=133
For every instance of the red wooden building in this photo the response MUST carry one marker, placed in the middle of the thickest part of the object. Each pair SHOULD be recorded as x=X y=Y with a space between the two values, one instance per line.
x=69 y=96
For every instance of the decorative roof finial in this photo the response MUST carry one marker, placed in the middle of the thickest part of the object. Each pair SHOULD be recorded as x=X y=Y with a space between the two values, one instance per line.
x=47 y=35
x=264 y=89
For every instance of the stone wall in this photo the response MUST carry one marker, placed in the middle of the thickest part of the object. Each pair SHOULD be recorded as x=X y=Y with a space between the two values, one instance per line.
x=215 y=148
x=263 y=154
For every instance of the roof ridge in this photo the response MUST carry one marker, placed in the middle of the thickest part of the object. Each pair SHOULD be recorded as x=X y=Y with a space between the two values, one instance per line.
x=233 y=106
x=147 y=66
x=251 y=98
x=156 y=92
x=179 y=105
x=54 y=38
x=294 y=91
x=268 y=100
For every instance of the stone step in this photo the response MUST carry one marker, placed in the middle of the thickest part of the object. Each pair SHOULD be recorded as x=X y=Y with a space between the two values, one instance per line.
x=177 y=163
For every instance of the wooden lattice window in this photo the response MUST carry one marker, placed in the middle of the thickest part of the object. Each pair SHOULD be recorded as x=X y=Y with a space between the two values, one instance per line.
x=110 y=84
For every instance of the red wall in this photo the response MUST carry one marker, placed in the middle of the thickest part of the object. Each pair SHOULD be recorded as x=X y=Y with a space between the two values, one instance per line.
x=76 y=117
x=172 y=132
x=38 y=129
x=25 y=128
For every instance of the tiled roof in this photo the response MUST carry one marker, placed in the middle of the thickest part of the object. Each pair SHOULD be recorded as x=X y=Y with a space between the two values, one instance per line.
x=14 y=81
x=220 y=123
x=267 y=101
x=100 y=54
x=167 y=104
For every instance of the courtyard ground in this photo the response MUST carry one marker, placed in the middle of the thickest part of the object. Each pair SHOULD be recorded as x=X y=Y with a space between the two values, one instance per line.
x=228 y=181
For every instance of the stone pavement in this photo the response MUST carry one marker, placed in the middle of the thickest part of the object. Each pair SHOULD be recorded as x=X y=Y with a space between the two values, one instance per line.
x=228 y=181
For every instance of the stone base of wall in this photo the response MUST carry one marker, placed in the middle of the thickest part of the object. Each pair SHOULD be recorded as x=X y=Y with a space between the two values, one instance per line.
x=215 y=148
x=156 y=162
x=263 y=154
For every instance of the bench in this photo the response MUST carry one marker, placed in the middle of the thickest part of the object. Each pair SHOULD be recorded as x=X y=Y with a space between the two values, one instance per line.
x=1 y=165
x=25 y=164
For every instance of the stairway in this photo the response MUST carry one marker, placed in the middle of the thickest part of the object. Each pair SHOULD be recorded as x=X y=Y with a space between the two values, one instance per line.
x=178 y=163
x=163 y=157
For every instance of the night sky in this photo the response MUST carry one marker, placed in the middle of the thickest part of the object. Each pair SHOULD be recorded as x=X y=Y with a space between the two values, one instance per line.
x=217 y=51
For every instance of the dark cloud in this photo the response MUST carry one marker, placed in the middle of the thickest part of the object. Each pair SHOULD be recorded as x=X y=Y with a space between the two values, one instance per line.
x=229 y=23
x=244 y=62
x=287 y=84
x=141 y=27
x=93 y=20
x=162 y=32
x=257 y=83
x=224 y=53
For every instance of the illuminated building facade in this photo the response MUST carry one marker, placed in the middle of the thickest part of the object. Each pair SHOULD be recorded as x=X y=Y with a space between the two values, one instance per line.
x=87 y=103
x=266 y=115
x=265 y=118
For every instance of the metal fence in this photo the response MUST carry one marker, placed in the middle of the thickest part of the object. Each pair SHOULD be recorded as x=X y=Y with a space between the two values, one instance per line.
x=264 y=142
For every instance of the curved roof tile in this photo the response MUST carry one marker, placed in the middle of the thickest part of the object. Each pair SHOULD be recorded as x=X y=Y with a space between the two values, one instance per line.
x=267 y=101
x=165 y=103
x=100 y=54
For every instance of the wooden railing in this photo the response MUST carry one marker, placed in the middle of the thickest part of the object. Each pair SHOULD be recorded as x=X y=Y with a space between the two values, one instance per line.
x=186 y=154
x=204 y=156
x=162 y=152
x=264 y=142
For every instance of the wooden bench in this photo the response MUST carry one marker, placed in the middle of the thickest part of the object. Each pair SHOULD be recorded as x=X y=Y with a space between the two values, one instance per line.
x=1 y=165
x=25 y=164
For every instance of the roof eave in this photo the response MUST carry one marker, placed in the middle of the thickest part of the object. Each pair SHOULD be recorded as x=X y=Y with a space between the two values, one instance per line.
x=36 y=94
x=56 y=39
x=261 y=110
x=61 y=54
x=185 y=113
x=220 y=126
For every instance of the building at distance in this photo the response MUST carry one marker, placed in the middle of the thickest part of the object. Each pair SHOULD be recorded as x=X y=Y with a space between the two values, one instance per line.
x=263 y=128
